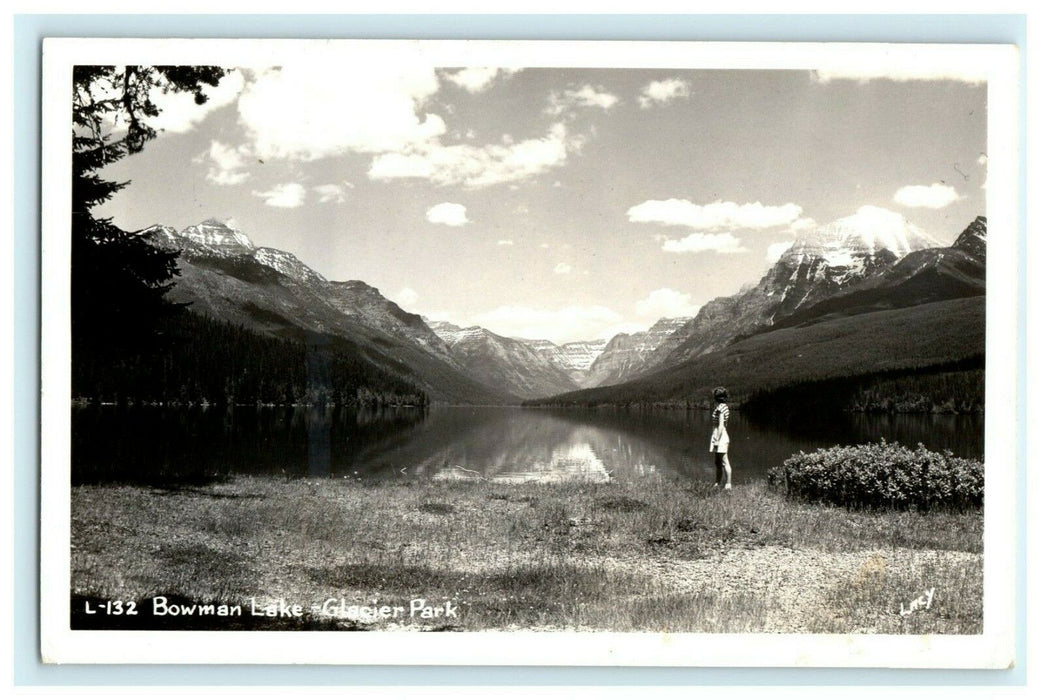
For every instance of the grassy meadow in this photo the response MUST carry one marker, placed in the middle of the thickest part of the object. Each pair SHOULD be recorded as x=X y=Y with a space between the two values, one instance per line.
x=645 y=554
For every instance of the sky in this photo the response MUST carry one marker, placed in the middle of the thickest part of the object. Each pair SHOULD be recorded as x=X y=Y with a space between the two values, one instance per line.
x=555 y=203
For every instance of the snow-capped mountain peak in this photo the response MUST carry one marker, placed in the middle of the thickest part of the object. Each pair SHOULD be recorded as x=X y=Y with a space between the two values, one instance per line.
x=973 y=238
x=219 y=237
x=844 y=251
x=867 y=232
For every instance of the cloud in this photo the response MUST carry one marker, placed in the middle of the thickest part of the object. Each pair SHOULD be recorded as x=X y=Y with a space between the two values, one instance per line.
x=285 y=196
x=330 y=193
x=310 y=111
x=803 y=224
x=663 y=91
x=448 y=214
x=718 y=215
x=665 y=303
x=702 y=242
x=562 y=269
x=179 y=111
x=900 y=69
x=407 y=297
x=585 y=96
x=479 y=166
x=476 y=79
x=558 y=325
x=227 y=164
x=982 y=159
x=505 y=241
x=875 y=227
x=775 y=250
x=934 y=196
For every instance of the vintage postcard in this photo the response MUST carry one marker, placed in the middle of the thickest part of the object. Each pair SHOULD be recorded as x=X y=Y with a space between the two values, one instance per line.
x=588 y=353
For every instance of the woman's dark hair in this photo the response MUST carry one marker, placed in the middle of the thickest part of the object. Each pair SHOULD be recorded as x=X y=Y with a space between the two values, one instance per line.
x=720 y=394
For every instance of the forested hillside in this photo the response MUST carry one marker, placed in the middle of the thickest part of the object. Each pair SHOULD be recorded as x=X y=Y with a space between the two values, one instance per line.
x=195 y=359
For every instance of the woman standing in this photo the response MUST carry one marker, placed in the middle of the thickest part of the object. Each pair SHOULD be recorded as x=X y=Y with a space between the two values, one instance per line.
x=719 y=439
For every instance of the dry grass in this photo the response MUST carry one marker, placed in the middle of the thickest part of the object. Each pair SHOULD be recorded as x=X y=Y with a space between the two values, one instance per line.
x=646 y=554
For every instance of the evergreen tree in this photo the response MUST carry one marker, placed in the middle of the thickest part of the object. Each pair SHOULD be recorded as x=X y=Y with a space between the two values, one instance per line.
x=118 y=280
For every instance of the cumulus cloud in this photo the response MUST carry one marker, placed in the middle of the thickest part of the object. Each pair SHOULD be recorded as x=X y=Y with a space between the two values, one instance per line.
x=585 y=96
x=562 y=269
x=179 y=111
x=407 y=297
x=558 y=325
x=718 y=215
x=330 y=193
x=665 y=303
x=285 y=196
x=663 y=91
x=307 y=112
x=934 y=196
x=479 y=166
x=775 y=250
x=227 y=163
x=476 y=79
x=703 y=242
x=448 y=214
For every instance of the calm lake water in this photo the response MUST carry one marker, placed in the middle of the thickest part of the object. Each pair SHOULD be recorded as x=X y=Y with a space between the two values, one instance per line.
x=171 y=446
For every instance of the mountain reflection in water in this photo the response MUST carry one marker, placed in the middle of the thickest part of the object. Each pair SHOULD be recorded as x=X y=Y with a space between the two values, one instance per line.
x=169 y=445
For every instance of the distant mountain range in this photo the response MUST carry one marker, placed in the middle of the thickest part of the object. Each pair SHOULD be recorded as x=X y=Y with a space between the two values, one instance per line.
x=845 y=273
x=524 y=370
x=838 y=303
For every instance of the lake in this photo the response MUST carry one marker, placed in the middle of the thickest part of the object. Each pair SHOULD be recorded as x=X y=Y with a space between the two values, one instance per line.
x=197 y=445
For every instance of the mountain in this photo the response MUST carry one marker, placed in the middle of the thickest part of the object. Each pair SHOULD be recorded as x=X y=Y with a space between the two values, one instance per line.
x=858 y=266
x=924 y=336
x=924 y=276
x=973 y=239
x=626 y=352
x=927 y=310
x=366 y=304
x=822 y=263
x=504 y=362
x=225 y=276
x=575 y=358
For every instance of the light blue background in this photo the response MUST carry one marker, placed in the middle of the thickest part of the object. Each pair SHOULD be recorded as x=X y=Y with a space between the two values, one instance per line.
x=28 y=33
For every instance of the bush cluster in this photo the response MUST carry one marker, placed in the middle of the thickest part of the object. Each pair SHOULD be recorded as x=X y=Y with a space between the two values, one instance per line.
x=882 y=475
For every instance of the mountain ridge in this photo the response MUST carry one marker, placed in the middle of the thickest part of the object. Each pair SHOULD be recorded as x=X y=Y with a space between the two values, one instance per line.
x=873 y=261
x=821 y=263
x=223 y=275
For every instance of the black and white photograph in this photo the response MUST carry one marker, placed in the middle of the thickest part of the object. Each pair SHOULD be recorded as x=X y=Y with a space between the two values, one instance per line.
x=630 y=353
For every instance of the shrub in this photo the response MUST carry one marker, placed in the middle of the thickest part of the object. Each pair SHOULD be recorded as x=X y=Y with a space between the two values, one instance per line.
x=882 y=475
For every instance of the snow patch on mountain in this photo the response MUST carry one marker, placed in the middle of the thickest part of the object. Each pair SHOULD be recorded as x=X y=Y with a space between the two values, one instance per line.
x=867 y=231
x=287 y=264
x=452 y=334
x=219 y=237
x=580 y=355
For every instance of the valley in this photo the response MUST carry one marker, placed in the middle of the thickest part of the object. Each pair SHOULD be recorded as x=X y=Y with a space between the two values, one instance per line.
x=846 y=299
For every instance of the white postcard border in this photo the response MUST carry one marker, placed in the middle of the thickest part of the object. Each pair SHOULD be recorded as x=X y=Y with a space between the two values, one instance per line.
x=995 y=648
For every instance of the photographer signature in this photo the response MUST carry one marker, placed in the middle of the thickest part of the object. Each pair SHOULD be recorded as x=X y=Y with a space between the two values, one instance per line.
x=924 y=602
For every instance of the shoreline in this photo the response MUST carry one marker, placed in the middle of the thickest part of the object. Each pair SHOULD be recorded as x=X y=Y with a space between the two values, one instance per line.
x=641 y=554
